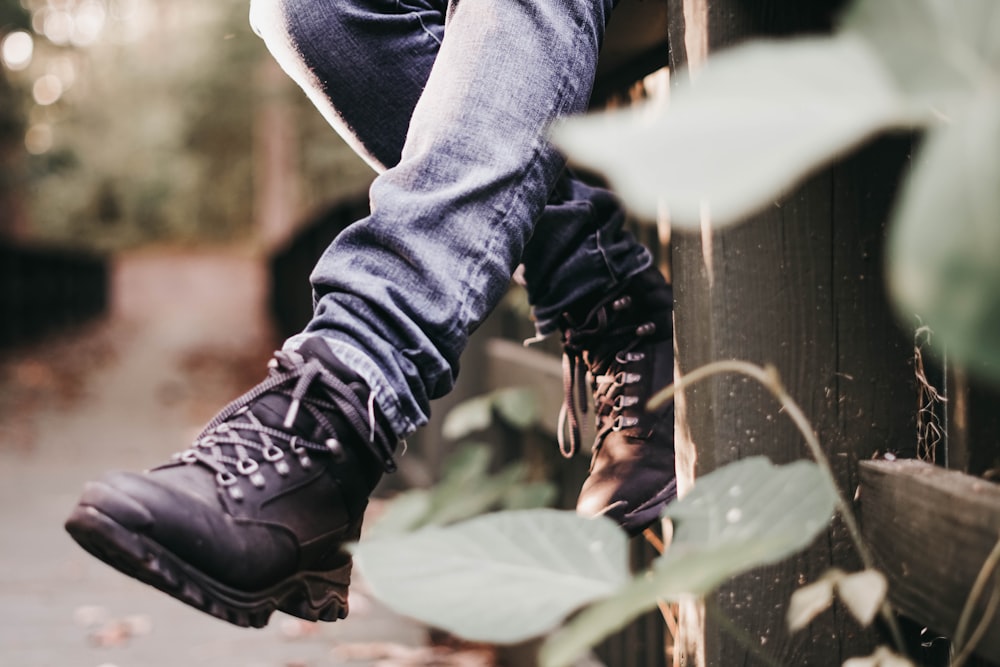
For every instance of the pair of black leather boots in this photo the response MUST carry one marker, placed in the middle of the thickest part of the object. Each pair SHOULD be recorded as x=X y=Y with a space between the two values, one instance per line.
x=253 y=516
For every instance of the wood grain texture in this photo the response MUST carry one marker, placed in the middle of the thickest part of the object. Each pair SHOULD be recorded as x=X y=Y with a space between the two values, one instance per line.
x=799 y=286
x=931 y=530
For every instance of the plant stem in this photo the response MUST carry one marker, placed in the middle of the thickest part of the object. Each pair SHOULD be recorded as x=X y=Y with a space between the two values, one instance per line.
x=978 y=586
x=980 y=632
x=654 y=540
x=769 y=378
x=665 y=610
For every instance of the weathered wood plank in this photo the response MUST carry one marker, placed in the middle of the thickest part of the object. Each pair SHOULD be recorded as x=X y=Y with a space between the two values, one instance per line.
x=798 y=286
x=931 y=529
x=635 y=45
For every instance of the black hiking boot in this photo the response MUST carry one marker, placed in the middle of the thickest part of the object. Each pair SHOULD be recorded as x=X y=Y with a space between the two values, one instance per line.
x=254 y=516
x=624 y=346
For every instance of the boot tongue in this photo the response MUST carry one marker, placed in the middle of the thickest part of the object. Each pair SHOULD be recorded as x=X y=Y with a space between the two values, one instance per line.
x=272 y=409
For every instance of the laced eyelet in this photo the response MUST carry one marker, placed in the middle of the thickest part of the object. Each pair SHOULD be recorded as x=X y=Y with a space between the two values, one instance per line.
x=628 y=357
x=623 y=422
x=247 y=466
x=225 y=478
x=646 y=329
x=274 y=456
x=623 y=401
x=187 y=456
x=300 y=451
x=623 y=378
x=622 y=303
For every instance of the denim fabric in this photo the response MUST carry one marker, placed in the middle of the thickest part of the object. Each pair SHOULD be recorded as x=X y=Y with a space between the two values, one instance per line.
x=449 y=103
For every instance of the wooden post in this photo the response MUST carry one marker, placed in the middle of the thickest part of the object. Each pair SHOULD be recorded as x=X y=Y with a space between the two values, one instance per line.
x=799 y=286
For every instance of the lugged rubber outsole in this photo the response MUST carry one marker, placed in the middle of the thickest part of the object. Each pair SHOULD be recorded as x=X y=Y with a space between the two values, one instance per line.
x=313 y=596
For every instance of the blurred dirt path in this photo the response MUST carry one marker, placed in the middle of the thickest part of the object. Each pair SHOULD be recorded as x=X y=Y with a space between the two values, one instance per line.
x=187 y=332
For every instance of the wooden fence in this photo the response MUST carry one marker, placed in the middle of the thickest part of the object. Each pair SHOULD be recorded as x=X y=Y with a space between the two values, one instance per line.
x=43 y=290
x=800 y=286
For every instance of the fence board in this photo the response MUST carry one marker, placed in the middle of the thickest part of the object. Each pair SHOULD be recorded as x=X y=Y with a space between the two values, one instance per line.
x=798 y=286
x=931 y=531
x=43 y=290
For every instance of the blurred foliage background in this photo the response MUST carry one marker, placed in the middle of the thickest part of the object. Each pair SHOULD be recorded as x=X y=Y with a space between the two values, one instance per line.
x=124 y=122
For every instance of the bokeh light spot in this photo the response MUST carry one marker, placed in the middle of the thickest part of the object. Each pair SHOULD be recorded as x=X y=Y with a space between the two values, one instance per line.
x=17 y=49
x=47 y=89
x=38 y=138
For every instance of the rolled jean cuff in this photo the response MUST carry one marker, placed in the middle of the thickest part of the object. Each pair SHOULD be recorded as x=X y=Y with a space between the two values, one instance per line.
x=357 y=361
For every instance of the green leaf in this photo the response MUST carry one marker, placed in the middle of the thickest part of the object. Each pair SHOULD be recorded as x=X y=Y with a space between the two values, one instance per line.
x=502 y=577
x=403 y=513
x=757 y=120
x=940 y=52
x=466 y=489
x=753 y=500
x=945 y=239
x=530 y=495
x=595 y=623
x=517 y=406
x=454 y=503
x=475 y=414
x=744 y=515
x=466 y=466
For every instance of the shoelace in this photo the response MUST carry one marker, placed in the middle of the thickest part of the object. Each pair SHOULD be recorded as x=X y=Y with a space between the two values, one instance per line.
x=224 y=446
x=608 y=385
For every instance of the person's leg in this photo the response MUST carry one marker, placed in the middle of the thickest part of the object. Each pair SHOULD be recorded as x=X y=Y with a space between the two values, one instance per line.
x=399 y=292
x=579 y=255
x=363 y=65
x=589 y=279
x=252 y=517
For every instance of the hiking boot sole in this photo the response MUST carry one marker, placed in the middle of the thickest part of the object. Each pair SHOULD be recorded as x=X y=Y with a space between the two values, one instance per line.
x=313 y=596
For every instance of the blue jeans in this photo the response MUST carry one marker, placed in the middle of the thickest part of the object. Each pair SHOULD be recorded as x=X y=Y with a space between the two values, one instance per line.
x=449 y=102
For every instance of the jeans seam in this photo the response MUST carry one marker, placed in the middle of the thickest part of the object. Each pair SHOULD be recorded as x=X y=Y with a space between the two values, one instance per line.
x=531 y=164
x=420 y=20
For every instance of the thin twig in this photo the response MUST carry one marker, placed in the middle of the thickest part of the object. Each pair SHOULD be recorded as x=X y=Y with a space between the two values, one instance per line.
x=667 y=612
x=975 y=593
x=654 y=540
x=980 y=632
x=769 y=378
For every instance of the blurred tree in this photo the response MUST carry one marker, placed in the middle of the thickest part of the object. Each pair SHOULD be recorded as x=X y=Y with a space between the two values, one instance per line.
x=141 y=120
x=127 y=163
x=13 y=17
x=144 y=119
